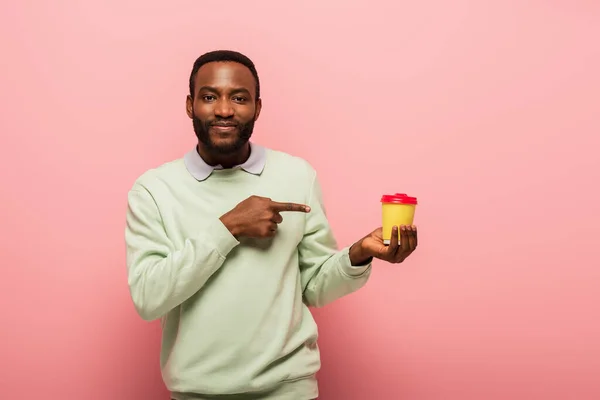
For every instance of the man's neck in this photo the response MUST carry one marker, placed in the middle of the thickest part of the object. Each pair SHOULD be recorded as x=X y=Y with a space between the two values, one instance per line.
x=225 y=160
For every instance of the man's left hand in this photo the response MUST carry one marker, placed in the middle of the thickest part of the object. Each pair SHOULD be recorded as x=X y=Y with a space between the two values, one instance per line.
x=402 y=244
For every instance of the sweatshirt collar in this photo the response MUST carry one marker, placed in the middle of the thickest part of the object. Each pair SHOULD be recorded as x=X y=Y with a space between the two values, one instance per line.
x=200 y=170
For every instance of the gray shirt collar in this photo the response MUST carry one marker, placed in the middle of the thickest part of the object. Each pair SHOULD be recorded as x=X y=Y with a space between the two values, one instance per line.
x=201 y=170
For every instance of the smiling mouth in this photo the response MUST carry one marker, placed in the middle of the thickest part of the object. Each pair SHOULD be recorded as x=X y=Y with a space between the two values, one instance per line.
x=224 y=128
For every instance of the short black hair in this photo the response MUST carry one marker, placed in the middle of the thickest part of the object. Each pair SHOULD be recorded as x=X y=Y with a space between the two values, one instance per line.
x=223 y=56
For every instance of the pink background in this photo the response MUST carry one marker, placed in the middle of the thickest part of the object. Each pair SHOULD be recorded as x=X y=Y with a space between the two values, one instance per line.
x=487 y=111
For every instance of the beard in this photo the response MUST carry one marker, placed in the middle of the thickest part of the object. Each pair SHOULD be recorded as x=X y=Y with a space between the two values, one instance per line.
x=244 y=132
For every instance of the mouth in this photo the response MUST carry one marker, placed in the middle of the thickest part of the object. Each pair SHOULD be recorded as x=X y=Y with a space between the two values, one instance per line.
x=224 y=127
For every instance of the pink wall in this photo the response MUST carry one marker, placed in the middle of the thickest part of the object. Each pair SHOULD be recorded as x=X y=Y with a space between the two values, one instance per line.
x=488 y=111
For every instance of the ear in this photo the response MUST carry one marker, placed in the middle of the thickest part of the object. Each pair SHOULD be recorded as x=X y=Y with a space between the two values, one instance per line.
x=258 y=108
x=189 y=106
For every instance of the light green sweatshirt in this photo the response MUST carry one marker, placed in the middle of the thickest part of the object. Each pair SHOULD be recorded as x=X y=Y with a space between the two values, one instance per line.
x=234 y=314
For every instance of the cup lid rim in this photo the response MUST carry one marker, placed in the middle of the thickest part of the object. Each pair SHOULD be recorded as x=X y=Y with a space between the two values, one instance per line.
x=398 y=198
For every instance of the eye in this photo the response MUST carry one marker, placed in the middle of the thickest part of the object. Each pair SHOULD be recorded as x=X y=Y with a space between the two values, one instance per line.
x=239 y=99
x=208 y=97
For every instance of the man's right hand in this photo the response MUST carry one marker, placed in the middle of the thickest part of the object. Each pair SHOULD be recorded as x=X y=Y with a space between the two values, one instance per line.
x=258 y=217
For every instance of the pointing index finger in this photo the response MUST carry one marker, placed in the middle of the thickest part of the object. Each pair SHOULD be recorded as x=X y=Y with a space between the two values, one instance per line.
x=280 y=207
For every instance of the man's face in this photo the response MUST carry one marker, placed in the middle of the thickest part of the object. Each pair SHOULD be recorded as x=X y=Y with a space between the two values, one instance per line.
x=224 y=107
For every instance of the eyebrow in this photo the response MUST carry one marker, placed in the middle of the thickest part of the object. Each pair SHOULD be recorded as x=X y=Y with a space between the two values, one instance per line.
x=216 y=90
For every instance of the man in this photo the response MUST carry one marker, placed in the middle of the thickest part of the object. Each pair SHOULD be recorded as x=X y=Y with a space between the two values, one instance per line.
x=230 y=245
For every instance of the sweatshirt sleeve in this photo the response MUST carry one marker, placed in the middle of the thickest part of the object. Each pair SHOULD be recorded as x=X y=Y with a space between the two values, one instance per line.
x=326 y=272
x=161 y=276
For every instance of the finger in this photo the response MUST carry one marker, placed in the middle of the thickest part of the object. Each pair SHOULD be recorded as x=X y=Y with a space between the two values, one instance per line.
x=412 y=240
x=294 y=207
x=393 y=246
x=277 y=218
x=404 y=240
x=402 y=251
x=272 y=229
x=409 y=238
x=416 y=236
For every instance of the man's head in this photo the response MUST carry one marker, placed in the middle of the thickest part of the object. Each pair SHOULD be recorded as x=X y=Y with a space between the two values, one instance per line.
x=224 y=100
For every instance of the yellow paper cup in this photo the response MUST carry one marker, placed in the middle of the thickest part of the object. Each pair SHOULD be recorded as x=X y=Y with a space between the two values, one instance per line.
x=396 y=210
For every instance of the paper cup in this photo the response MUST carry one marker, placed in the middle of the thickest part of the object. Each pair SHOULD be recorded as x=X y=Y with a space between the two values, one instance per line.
x=396 y=210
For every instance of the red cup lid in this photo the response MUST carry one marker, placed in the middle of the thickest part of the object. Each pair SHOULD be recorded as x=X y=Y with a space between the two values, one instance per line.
x=398 y=198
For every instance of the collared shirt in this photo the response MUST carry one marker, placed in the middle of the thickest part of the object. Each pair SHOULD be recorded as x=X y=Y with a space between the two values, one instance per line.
x=201 y=170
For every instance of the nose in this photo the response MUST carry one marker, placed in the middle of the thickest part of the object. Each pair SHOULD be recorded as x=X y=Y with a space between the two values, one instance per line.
x=223 y=108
